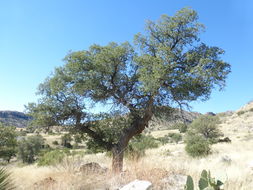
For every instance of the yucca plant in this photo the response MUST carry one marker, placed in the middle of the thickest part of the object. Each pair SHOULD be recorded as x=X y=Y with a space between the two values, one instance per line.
x=5 y=180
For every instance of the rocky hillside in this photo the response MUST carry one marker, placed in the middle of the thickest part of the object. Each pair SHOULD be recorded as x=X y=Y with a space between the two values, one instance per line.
x=165 y=119
x=14 y=118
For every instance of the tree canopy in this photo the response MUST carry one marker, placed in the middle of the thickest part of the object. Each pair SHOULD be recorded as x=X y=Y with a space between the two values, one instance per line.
x=167 y=65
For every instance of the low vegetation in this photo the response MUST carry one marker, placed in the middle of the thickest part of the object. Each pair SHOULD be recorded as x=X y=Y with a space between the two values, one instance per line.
x=5 y=180
x=206 y=182
x=202 y=133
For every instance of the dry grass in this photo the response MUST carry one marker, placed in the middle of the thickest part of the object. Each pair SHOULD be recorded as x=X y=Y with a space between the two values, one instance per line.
x=157 y=164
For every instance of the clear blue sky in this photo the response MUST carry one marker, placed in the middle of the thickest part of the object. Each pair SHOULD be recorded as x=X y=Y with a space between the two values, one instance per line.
x=35 y=35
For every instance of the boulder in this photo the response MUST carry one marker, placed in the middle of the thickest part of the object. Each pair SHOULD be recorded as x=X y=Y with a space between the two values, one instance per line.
x=137 y=185
x=211 y=114
x=226 y=140
x=226 y=159
x=174 y=182
x=92 y=168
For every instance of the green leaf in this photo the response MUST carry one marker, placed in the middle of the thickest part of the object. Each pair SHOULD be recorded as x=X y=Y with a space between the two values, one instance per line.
x=189 y=183
x=203 y=183
x=204 y=174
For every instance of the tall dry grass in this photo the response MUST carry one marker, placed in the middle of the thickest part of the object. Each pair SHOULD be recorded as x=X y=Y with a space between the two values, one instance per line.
x=229 y=162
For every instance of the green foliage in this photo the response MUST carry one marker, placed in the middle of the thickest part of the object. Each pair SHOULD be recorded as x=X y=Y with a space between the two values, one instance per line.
x=55 y=142
x=29 y=148
x=189 y=184
x=138 y=145
x=206 y=182
x=22 y=133
x=170 y=138
x=241 y=113
x=8 y=142
x=182 y=127
x=52 y=158
x=197 y=146
x=5 y=180
x=251 y=109
x=167 y=65
x=65 y=140
x=207 y=126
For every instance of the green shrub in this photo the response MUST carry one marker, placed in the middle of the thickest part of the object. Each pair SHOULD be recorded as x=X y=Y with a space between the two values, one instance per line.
x=206 y=126
x=170 y=138
x=55 y=143
x=251 y=109
x=29 y=148
x=197 y=146
x=65 y=140
x=182 y=127
x=8 y=142
x=52 y=158
x=175 y=137
x=5 y=180
x=138 y=145
x=241 y=113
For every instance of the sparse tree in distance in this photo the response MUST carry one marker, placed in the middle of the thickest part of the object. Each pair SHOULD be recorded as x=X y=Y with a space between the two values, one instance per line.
x=168 y=66
x=8 y=142
x=29 y=148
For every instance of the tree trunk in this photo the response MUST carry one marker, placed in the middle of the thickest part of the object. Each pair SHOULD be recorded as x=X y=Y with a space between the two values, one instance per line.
x=117 y=159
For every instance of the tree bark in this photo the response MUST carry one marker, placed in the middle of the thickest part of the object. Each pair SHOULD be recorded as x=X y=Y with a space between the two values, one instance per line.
x=117 y=159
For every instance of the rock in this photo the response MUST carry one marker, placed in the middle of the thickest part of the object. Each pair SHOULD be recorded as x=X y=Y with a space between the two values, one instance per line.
x=226 y=159
x=211 y=114
x=226 y=139
x=92 y=167
x=137 y=185
x=174 y=182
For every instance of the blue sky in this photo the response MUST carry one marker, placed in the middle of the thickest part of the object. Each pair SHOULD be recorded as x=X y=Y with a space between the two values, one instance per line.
x=35 y=35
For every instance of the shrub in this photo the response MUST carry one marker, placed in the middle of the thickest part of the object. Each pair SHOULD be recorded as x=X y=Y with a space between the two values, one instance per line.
x=138 y=145
x=171 y=137
x=241 y=113
x=52 y=158
x=182 y=127
x=197 y=146
x=55 y=143
x=65 y=140
x=175 y=137
x=8 y=142
x=29 y=148
x=206 y=126
x=5 y=180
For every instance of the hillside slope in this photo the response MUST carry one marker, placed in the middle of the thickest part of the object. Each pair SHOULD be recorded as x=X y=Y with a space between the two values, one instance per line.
x=14 y=118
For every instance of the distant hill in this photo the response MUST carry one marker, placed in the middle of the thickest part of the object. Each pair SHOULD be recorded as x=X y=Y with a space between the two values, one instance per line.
x=14 y=118
x=164 y=119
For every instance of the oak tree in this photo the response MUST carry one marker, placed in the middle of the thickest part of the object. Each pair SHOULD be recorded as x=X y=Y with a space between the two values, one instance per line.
x=167 y=66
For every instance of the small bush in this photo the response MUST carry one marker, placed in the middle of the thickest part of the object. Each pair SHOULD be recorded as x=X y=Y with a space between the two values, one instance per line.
x=197 y=146
x=65 y=140
x=206 y=126
x=52 y=158
x=29 y=148
x=138 y=145
x=182 y=127
x=55 y=143
x=170 y=138
x=251 y=109
x=240 y=113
